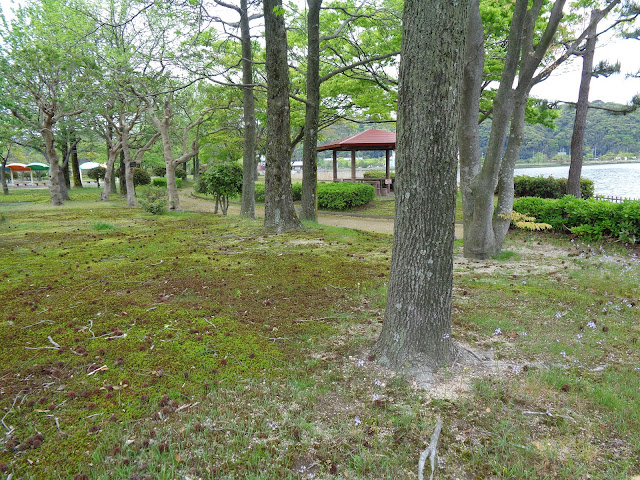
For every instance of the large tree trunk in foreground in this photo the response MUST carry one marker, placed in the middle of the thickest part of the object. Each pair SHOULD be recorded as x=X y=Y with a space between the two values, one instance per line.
x=582 y=107
x=248 y=206
x=279 y=214
x=309 y=151
x=417 y=323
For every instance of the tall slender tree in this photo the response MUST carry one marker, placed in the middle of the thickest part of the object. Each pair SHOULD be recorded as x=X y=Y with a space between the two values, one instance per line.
x=279 y=213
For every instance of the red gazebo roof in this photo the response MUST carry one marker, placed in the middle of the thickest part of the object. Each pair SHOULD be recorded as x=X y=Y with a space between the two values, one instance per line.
x=371 y=139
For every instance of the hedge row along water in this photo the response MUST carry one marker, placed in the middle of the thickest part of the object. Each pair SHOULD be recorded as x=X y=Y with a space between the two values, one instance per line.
x=591 y=218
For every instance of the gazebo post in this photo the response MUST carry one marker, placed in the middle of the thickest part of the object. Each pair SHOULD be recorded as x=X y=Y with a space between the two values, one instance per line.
x=31 y=174
x=387 y=172
x=335 y=165
x=353 y=165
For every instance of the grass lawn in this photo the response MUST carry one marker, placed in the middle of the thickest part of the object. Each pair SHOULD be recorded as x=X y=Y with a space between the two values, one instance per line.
x=197 y=346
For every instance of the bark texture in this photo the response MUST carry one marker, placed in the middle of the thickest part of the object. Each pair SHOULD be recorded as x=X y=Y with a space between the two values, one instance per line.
x=582 y=107
x=312 y=114
x=417 y=323
x=485 y=226
x=279 y=214
x=248 y=206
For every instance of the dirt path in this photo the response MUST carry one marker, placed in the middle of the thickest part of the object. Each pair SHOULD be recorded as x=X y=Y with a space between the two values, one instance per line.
x=357 y=222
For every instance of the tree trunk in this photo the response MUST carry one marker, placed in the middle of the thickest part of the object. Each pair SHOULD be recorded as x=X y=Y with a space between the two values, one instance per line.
x=279 y=214
x=248 y=206
x=484 y=228
x=108 y=175
x=468 y=133
x=312 y=113
x=3 y=176
x=417 y=323
x=75 y=166
x=52 y=156
x=122 y=178
x=131 y=191
x=582 y=107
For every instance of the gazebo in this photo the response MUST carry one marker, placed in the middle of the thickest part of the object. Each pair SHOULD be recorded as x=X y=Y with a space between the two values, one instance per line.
x=368 y=140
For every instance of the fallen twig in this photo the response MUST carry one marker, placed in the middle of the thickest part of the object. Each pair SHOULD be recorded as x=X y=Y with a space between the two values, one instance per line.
x=9 y=411
x=154 y=264
x=548 y=414
x=53 y=343
x=188 y=405
x=430 y=452
x=37 y=323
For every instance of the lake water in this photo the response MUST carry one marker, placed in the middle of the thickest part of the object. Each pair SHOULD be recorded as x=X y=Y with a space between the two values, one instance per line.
x=618 y=180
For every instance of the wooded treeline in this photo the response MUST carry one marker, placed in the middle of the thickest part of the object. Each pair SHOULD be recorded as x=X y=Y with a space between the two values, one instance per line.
x=607 y=135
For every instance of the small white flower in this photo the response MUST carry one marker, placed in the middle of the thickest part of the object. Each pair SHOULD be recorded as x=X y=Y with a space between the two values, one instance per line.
x=558 y=315
x=357 y=420
x=360 y=362
x=563 y=353
x=497 y=331
x=578 y=335
x=515 y=369
x=377 y=383
x=375 y=397
x=524 y=282
x=446 y=335
x=523 y=333
x=591 y=324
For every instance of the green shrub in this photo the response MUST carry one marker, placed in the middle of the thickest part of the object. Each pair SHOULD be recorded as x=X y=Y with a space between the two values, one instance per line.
x=344 y=195
x=526 y=186
x=181 y=172
x=223 y=180
x=141 y=177
x=591 y=218
x=259 y=192
x=296 y=190
x=97 y=174
x=378 y=174
x=154 y=200
x=158 y=170
x=162 y=182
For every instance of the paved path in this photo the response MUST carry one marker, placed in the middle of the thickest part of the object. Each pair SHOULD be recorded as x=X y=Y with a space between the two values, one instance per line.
x=359 y=222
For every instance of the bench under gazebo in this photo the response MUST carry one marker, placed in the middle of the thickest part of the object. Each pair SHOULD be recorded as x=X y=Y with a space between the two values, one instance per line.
x=369 y=140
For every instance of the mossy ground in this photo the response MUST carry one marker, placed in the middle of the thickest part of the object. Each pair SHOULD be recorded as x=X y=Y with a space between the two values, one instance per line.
x=196 y=346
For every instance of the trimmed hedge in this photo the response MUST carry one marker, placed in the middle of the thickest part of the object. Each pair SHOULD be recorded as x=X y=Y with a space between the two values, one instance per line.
x=332 y=196
x=594 y=219
x=141 y=177
x=296 y=189
x=344 y=195
x=162 y=182
x=526 y=186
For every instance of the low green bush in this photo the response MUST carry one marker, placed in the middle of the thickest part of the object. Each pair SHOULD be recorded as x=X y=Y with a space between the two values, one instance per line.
x=594 y=219
x=296 y=190
x=344 y=195
x=158 y=170
x=154 y=200
x=549 y=187
x=141 y=177
x=181 y=172
x=162 y=182
x=223 y=180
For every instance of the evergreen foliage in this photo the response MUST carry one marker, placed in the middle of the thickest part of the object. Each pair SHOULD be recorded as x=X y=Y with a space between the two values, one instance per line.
x=549 y=187
x=593 y=219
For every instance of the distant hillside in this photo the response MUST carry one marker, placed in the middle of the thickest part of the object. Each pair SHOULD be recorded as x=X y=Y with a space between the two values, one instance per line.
x=606 y=135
